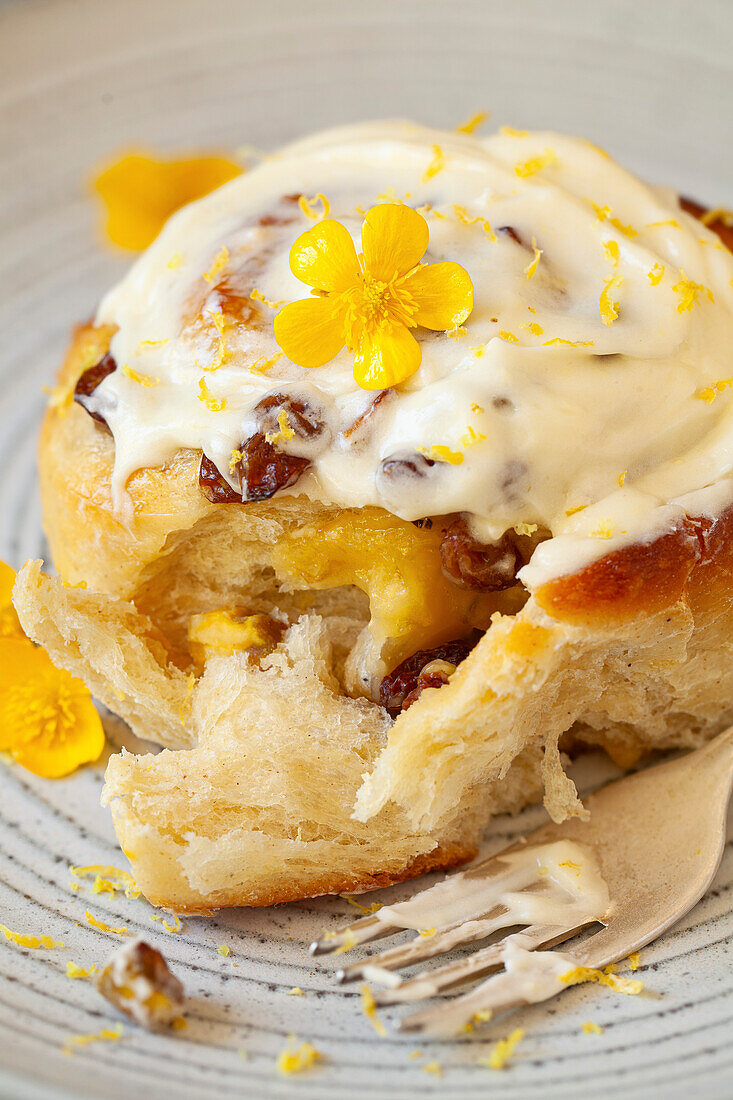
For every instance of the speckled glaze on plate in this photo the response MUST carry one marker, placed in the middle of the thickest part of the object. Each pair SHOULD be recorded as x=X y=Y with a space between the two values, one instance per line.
x=80 y=78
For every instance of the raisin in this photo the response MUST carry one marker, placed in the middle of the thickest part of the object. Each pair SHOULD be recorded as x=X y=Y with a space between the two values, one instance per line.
x=263 y=468
x=214 y=487
x=725 y=232
x=302 y=417
x=403 y=686
x=509 y=231
x=88 y=382
x=409 y=466
x=487 y=567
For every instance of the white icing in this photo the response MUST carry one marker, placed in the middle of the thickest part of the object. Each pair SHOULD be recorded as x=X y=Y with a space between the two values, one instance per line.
x=574 y=423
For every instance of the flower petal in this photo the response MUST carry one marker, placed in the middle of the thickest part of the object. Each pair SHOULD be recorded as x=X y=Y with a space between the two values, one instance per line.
x=387 y=358
x=47 y=718
x=443 y=293
x=393 y=238
x=55 y=756
x=9 y=625
x=324 y=257
x=310 y=331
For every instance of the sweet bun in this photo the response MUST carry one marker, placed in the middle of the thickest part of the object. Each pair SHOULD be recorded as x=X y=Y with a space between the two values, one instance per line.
x=350 y=651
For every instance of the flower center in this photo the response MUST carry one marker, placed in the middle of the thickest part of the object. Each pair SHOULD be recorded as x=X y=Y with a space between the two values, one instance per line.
x=370 y=304
x=41 y=714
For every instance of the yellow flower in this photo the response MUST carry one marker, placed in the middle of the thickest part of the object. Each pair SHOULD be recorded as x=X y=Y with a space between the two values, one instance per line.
x=47 y=719
x=9 y=625
x=370 y=302
x=141 y=192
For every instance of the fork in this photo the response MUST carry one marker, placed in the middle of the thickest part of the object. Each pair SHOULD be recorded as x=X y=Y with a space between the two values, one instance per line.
x=648 y=852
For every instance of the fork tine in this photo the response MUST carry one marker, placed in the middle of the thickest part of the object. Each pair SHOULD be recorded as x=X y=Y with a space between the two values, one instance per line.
x=362 y=930
x=537 y=980
x=429 y=983
x=425 y=947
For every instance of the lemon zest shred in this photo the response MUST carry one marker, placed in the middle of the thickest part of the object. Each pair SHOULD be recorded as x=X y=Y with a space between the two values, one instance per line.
x=135 y=376
x=223 y=950
x=612 y=251
x=470 y=437
x=369 y=1007
x=426 y=932
x=94 y=922
x=295 y=1061
x=476 y=409
x=604 y=530
x=574 y=511
x=658 y=225
x=367 y=910
x=179 y=1023
x=534 y=263
x=527 y=168
x=439 y=453
x=284 y=432
x=688 y=292
x=145 y=344
x=478 y=351
x=533 y=327
x=219 y=262
x=607 y=977
x=175 y=261
x=472 y=124
x=718 y=214
x=350 y=941
x=437 y=164
x=262 y=365
x=109 y=1035
x=234 y=458
x=174 y=927
x=74 y=971
x=508 y=336
x=213 y=404
x=606 y=305
x=633 y=960
x=465 y=219
x=591 y=1029
x=296 y=991
x=308 y=207
x=503 y=1050
x=622 y=478
x=656 y=274
x=30 y=941
x=258 y=296
x=433 y=1068
x=510 y=131
x=556 y=341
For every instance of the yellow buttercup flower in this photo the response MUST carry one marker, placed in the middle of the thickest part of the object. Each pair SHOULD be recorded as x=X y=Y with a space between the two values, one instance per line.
x=47 y=719
x=9 y=625
x=371 y=302
x=140 y=192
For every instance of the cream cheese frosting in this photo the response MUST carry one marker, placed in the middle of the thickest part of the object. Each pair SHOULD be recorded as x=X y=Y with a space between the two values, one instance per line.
x=587 y=393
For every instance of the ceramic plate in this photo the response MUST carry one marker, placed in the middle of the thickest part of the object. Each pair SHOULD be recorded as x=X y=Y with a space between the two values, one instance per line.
x=78 y=79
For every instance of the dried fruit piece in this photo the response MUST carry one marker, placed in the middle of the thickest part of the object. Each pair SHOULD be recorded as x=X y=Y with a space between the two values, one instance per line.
x=426 y=668
x=264 y=468
x=487 y=567
x=88 y=382
x=138 y=982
